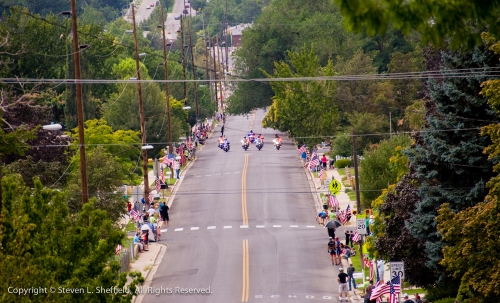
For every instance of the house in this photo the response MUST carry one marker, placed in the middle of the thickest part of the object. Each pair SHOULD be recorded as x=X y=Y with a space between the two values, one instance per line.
x=236 y=32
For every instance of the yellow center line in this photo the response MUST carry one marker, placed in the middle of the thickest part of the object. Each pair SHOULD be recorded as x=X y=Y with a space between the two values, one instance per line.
x=244 y=213
x=246 y=271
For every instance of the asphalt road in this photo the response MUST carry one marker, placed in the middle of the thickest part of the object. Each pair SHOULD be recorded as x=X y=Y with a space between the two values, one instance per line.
x=281 y=255
x=173 y=25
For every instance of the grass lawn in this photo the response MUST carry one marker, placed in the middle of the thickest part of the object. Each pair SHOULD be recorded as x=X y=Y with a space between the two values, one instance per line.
x=130 y=226
x=352 y=195
x=342 y=171
x=315 y=174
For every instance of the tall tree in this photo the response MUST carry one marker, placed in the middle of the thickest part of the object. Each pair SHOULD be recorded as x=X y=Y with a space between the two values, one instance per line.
x=448 y=159
x=304 y=108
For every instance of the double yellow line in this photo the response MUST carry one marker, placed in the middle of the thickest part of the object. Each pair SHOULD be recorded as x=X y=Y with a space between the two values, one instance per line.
x=246 y=276
x=244 y=192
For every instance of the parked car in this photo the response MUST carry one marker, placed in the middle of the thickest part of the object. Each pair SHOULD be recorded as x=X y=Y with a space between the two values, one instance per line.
x=186 y=6
x=152 y=5
x=177 y=17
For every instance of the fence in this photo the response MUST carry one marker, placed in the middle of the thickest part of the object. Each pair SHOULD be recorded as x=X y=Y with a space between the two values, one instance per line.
x=126 y=256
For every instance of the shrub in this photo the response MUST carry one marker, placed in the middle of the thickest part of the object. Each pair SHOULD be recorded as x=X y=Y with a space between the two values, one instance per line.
x=342 y=163
x=445 y=300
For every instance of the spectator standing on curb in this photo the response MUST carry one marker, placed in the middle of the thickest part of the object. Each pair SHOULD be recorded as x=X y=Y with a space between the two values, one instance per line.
x=368 y=293
x=347 y=238
x=331 y=250
x=222 y=130
x=342 y=279
x=304 y=158
x=177 y=169
x=129 y=207
x=324 y=160
x=417 y=298
x=164 y=214
x=350 y=273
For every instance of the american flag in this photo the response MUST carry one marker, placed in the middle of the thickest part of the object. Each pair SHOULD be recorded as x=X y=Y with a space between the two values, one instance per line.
x=355 y=237
x=342 y=218
x=118 y=249
x=150 y=197
x=135 y=215
x=301 y=149
x=320 y=174
x=392 y=286
x=162 y=175
x=167 y=160
x=372 y=271
x=348 y=211
x=393 y=297
x=367 y=261
x=314 y=160
x=158 y=185
x=332 y=200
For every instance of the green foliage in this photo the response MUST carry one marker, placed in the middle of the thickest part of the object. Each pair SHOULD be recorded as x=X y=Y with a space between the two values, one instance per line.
x=450 y=165
x=104 y=176
x=43 y=245
x=445 y=300
x=377 y=170
x=436 y=21
x=303 y=108
x=342 y=163
x=415 y=115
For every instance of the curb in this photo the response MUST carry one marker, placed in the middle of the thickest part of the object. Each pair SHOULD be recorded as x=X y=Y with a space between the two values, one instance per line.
x=151 y=273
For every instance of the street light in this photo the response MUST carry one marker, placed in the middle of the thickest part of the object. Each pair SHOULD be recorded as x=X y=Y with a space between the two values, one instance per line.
x=145 y=147
x=52 y=126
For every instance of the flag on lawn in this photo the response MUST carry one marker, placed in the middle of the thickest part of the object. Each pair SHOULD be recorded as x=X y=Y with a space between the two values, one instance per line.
x=301 y=149
x=332 y=200
x=355 y=237
x=118 y=249
x=366 y=261
x=162 y=175
x=320 y=174
x=314 y=160
x=158 y=185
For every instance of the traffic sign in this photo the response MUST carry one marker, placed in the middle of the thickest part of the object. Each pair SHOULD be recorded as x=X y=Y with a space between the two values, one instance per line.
x=398 y=269
x=361 y=226
x=334 y=187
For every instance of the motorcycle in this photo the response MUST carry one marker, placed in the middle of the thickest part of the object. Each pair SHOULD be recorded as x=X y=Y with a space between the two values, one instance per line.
x=277 y=144
x=225 y=147
x=244 y=146
x=260 y=145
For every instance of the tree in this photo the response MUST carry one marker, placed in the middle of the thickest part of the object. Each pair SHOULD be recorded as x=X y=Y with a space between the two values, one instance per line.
x=448 y=155
x=436 y=21
x=43 y=245
x=104 y=176
x=376 y=169
x=304 y=109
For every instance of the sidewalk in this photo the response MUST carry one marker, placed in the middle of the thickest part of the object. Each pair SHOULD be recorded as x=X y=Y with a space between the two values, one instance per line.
x=147 y=262
x=344 y=201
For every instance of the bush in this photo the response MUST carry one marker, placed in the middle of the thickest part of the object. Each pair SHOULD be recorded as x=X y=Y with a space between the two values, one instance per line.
x=342 y=163
x=445 y=300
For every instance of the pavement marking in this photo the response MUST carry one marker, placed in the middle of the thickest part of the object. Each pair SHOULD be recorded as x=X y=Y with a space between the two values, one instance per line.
x=236 y=172
x=294 y=226
x=179 y=229
x=246 y=275
x=195 y=228
x=276 y=225
x=228 y=173
x=198 y=176
x=228 y=226
x=243 y=226
x=311 y=226
x=211 y=227
x=260 y=226
x=208 y=175
x=244 y=212
x=163 y=230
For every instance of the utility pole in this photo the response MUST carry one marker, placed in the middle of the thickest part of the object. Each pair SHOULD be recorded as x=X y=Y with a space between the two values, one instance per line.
x=207 y=59
x=356 y=175
x=141 y=114
x=79 y=104
x=165 y=68
x=225 y=39
x=194 y=70
x=215 y=74
x=183 y=60
x=220 y=76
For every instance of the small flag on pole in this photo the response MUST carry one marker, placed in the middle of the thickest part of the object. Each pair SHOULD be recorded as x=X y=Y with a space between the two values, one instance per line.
x=118 y=249
x=355 y=237
x=150 y=197
x=158 y=186
x=301 y=149
x=320 y=174
x=342 y=218
x=314 y=160
x=162 y=175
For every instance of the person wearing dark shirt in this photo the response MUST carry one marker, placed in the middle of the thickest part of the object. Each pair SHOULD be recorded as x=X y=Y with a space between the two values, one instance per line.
x=347 y=238
x=368 y=293
x=331 y=250
x=407 y=299
x=342 y=279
